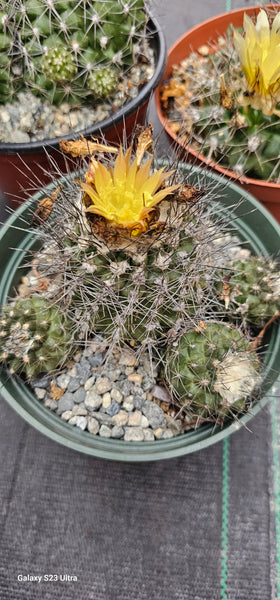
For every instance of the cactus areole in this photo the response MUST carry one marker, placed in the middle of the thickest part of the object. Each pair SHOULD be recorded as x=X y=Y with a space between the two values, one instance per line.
x=135 y=251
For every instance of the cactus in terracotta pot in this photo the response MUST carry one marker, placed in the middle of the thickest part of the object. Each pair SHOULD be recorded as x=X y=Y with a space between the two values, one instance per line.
x=224 y=98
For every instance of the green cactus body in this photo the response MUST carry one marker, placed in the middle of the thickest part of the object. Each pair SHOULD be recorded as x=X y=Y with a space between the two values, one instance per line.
x=57 y=38
x=255 y=290
x=58 y=65
x=212 y=371
x=35 y=336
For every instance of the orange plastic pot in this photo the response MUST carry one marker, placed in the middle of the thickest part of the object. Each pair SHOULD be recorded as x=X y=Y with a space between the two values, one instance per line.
x=26 y=167
x=209 y=31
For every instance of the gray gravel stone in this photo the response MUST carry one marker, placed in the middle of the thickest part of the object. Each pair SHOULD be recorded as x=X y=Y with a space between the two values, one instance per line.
x=93 y=426
x=67 y=415
x=154 y=414
x=89 y=383
x=167 y=434
x=73 y=385
x=92 y=400
x=66 y=402
x=79 y=410
x=40 y=393
x=147 y=383
x=138 y=401
x=103 y=418
x=113 y=409
x=120 y=419
x=96 y=360
x=63 y=380
x=148 y=435
x=83 y=370
x=43 y=382
x=174 y=426
x=134 y=419
x=105 y=431
x=103 y=385
x=79 y=395
x=133 y=434
x=116 y=395
x=117 y=432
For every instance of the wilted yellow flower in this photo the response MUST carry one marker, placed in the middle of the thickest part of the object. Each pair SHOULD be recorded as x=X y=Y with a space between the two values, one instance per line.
x=126 y=193
x=259 y=54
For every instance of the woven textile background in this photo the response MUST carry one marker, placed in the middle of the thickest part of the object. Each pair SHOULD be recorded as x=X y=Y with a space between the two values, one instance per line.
x=202 y=527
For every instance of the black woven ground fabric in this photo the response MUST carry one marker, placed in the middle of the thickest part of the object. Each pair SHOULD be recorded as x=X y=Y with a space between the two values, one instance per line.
x=202 y=527
x=136 y=531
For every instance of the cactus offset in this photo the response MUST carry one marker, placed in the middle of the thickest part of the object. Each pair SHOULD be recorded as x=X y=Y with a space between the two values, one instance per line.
x=254 y=290
x=66 y=49
x=212 y=371
x=35 y=336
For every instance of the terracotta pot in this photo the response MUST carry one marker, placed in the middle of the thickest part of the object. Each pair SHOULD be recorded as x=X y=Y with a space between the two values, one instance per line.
x=211 y=30
x=25 y=167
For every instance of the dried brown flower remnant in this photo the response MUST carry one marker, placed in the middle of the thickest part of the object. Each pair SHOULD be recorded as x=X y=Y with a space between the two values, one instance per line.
x=225 y=296
x=144 y=143
x=173 y=89
x=45 y=207
x=225 y=96
x=84 y=147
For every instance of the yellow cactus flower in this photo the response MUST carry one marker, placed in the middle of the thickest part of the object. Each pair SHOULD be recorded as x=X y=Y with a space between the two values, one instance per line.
x=126 y=193
x=259 y=54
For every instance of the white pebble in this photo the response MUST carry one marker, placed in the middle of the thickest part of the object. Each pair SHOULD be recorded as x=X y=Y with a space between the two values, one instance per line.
x=81 y=422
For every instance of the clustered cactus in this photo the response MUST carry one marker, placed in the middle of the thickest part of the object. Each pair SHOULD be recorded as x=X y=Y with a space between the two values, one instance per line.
x=225 y=100
x=69 y=50
x=35 y=336
x=131 y=251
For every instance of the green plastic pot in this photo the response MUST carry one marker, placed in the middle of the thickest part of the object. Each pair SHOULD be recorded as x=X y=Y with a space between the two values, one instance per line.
x=253 y=224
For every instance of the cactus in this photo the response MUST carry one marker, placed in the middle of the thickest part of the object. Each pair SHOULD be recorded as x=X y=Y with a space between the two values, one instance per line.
x=212 y=371
x=134 y=253
x=66 y=49
x=254 y=290
x=35 y=336
x=226 y=102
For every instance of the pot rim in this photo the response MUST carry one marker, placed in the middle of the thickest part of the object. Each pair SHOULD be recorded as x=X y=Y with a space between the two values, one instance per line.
x=158 y=41
x=243 y=179
x=23 y=401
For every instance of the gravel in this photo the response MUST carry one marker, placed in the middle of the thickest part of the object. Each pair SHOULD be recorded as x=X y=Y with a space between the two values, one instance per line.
x=108 y=398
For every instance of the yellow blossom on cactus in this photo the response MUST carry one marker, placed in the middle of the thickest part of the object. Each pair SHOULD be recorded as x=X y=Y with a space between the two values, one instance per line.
x=125 y=193
x=259 y=54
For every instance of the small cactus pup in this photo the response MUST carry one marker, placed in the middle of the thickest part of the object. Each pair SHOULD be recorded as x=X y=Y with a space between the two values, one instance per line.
x=213 y=372
x=77 y=52
x=253 y=290
x=35 y=336
x=224 y=99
